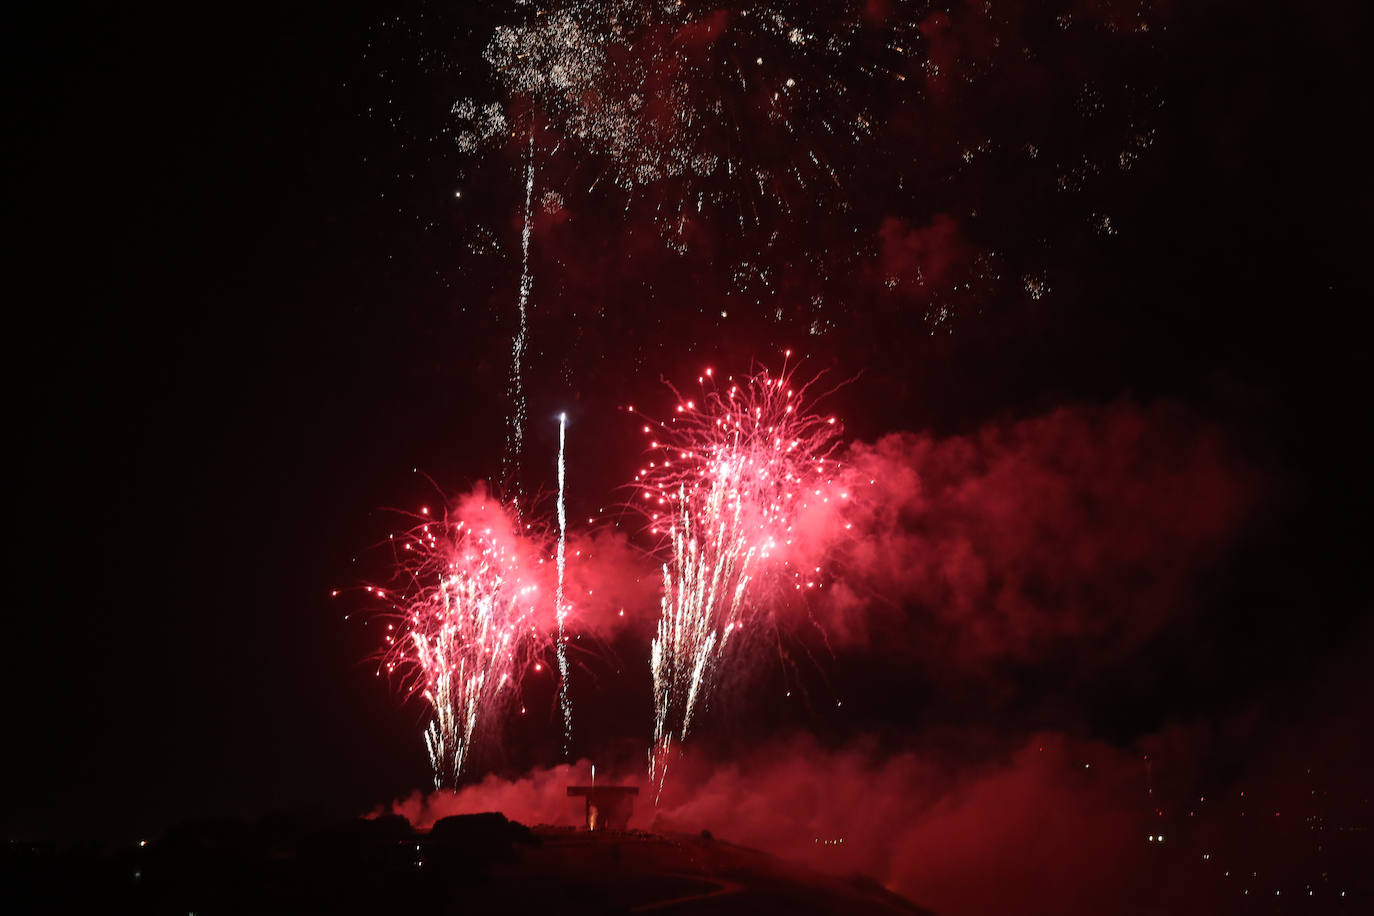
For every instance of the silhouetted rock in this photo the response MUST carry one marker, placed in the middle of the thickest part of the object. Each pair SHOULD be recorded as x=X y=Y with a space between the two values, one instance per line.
x=468 y=841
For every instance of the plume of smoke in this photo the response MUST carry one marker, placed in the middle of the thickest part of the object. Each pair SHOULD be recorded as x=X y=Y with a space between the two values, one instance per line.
x=1084 y=526
x=965 y=837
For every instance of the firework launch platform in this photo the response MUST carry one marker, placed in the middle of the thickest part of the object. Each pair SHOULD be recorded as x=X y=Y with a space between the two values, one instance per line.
x=608 y=807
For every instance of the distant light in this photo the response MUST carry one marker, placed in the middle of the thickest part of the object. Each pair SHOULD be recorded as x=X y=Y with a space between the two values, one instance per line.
x=143 y=842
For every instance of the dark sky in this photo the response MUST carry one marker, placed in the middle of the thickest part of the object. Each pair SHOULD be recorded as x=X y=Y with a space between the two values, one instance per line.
x=244 y=304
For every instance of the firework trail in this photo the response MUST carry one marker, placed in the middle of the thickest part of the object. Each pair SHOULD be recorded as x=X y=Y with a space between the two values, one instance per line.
x=462 y=627
x=559 y=611
x=515 y=440
x=731 y=480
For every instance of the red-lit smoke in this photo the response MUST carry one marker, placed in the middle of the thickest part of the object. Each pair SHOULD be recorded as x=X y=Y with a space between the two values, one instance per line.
x=1080 y=533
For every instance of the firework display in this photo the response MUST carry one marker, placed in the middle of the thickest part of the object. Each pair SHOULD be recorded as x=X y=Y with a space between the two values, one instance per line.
x=730 y=479
x=724 y=131
x=697 y=111
x=850 y=456
x=463 y=627
x=727 y=132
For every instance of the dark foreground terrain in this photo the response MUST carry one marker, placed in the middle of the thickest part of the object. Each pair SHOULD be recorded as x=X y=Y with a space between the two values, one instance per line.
x=471 y=864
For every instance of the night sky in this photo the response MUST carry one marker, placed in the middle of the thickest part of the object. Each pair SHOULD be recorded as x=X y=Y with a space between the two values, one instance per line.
x=1103 y=285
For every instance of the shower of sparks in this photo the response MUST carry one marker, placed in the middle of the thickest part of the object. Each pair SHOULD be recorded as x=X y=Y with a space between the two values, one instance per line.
x=515 y=441
x=910 y=140
x=736 y=480
x=461 y=630
x=559 y=611
x=740 y=112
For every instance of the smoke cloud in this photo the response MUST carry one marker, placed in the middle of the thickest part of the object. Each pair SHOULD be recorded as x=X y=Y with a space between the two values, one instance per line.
x=540 y=797
x=1082 y=532
x=1064 y=541
x=973 y=823
x=1086 y=528
x=1083 y=529
x=1049 y=822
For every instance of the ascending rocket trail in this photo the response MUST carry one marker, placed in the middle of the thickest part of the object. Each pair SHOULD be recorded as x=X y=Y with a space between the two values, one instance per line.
x=515 y=437
x=558 y=596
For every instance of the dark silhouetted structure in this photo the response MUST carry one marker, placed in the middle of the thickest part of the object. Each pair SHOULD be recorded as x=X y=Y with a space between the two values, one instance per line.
x=608 y=807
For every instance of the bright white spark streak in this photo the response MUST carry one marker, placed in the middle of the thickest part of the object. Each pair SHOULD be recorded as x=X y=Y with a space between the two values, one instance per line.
x=558 y=597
